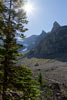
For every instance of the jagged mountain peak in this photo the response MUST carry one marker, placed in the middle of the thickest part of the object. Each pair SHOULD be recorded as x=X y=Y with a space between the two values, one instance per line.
x=56 y=25
x=43 y=33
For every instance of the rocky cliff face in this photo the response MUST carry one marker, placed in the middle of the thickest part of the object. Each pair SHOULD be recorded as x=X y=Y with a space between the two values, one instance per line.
x=54 y=43
x=34 y=40
x=40 y=38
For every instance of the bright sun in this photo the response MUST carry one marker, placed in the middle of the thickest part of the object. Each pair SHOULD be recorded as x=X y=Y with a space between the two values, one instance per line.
x=28 y=8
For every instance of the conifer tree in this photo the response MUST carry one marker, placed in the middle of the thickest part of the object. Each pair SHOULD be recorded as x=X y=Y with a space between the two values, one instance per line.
x=40 y=80
x=12 y=20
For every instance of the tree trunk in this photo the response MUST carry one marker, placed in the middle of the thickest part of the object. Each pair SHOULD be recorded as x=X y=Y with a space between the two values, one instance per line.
x=4 y=97
x=6 y=63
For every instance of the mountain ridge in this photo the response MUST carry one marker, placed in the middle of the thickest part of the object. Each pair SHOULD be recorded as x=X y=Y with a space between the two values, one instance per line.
x=54 y=43
x=34 y=40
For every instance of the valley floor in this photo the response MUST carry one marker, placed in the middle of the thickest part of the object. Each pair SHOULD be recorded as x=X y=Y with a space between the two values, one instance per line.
x=51 y=69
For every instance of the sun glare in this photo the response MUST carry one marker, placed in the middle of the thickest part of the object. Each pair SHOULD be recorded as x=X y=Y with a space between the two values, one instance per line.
x=28 y=8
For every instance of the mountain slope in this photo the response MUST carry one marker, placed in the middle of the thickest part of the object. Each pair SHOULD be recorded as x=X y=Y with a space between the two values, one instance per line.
x=54 y=44
x=34 y=40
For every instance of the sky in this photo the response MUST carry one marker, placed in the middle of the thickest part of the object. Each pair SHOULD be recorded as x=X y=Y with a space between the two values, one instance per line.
x=44 y=14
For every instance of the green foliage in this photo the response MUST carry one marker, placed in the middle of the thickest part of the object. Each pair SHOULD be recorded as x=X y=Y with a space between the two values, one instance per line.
x=16 y=81
x=23 y=83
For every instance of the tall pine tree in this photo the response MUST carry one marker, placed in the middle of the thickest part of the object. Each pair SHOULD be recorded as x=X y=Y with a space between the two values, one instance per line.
x=12 y=20
x=16 y=82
